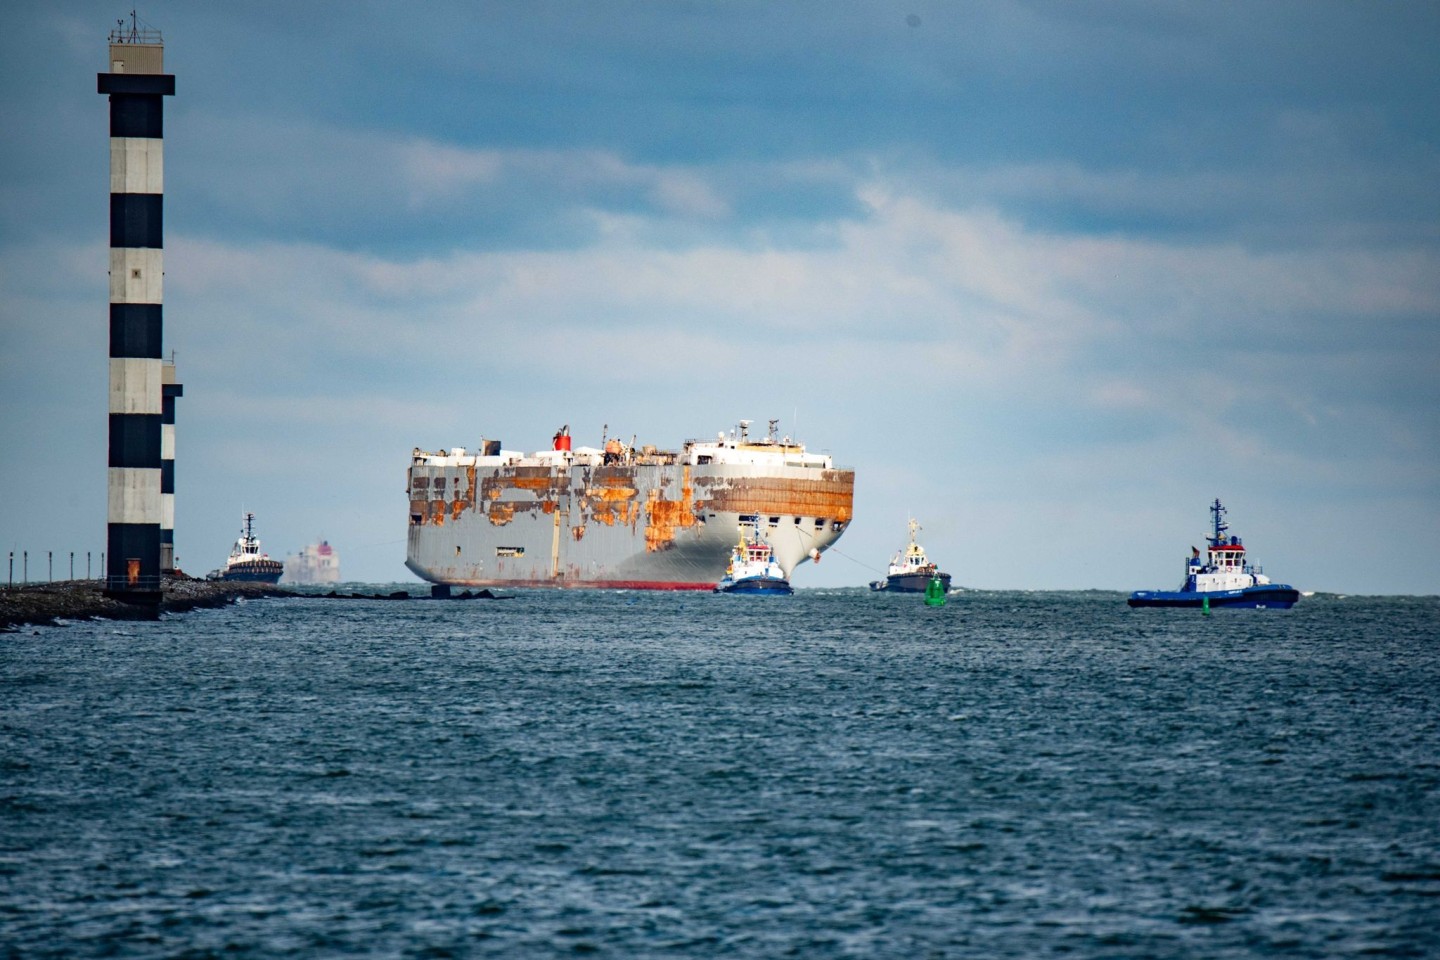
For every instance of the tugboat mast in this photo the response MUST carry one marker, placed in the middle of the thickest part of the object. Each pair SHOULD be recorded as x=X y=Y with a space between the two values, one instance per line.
x=248 y=533
x=1218 y=512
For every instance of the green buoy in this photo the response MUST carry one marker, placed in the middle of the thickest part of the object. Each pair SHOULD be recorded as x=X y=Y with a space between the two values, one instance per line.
x=935 y=592
x=1205 y=606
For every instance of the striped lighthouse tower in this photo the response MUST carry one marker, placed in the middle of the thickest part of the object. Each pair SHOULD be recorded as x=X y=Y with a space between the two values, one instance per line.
x=136 y=85
x=170 y=388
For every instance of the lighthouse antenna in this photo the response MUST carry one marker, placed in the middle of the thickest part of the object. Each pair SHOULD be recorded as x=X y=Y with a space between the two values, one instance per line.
x=137 y=32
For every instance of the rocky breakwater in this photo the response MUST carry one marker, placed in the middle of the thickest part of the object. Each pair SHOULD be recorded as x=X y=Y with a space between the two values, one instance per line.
x=51 y=603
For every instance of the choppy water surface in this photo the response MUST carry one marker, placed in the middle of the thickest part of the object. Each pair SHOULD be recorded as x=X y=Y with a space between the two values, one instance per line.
x=833 y=774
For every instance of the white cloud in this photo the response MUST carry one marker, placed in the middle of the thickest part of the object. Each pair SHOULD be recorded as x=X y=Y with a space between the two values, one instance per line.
x=964 y=283
x=688 y=195
x=437 y=171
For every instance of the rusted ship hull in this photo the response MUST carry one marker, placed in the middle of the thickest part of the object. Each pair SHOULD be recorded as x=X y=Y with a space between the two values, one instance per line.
x=667 y=522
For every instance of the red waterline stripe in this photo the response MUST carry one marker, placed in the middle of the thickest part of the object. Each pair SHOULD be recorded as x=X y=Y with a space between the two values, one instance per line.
x=589 y=584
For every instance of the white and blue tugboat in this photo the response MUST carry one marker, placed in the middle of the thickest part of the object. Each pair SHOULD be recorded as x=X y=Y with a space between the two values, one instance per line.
x=753 y=569
x=910 y=570
x=247 y=563
x=1221 y=579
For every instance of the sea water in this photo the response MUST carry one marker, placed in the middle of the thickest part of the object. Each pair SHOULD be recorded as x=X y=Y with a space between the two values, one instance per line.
x=833 y=774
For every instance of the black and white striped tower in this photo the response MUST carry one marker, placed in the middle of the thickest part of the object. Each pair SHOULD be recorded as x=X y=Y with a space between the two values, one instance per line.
x=170 y=388
x=136 y=85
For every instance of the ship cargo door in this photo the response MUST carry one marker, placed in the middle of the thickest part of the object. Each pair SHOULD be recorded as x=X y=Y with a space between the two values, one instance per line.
x=555 y=544
x=560 y=517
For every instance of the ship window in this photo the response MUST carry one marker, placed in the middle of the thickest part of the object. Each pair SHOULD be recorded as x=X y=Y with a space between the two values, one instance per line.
x=774 y=521
x=797 y=521
x=837 y=526
x=415 y=518
x=819 y=522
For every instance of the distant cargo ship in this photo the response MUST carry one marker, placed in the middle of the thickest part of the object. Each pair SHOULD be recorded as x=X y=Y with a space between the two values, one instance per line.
x=315 y=563
x=618 y=516
x=246 y=562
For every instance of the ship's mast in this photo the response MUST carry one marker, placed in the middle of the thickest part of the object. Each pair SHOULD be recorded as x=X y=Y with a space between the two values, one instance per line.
x=1218 y=512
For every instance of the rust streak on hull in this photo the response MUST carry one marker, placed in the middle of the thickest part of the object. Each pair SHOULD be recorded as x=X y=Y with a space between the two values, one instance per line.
x=663 y=517
x=831 y=497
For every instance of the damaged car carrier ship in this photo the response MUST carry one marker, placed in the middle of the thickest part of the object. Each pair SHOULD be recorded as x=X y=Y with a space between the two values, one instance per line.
x=618 y=517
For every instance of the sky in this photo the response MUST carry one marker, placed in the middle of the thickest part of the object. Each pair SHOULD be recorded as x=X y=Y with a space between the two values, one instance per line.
x=1050 y=277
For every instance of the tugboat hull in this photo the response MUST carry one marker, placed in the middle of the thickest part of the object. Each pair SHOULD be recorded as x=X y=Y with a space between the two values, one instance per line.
x=908 y=583
x=758 y=587
x=1278 y=596
x=254 y=571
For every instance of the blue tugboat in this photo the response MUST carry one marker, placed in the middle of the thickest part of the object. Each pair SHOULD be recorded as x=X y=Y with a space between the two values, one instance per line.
x=1222 y=579
x=753 y=569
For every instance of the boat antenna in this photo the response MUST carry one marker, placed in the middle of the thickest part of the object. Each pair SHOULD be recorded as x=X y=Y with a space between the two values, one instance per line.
x=1218 y=512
